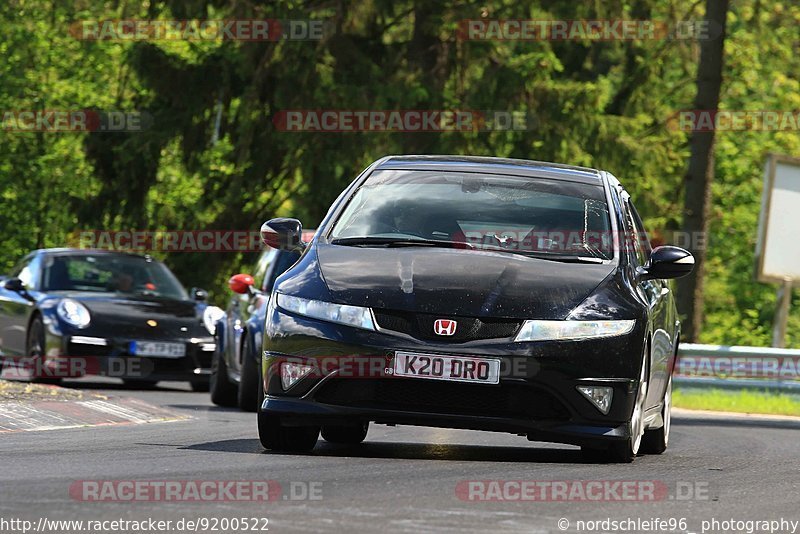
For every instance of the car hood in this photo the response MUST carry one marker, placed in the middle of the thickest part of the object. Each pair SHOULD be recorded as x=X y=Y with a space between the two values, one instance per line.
x=127 y=316
x=457 y=282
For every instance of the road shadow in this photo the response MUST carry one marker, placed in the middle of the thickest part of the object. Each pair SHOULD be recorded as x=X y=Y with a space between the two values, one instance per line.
x=211 y=409
x=456 y=452
x=248 y=446
x=734 y=422
x=119 y=386
x=409 y=451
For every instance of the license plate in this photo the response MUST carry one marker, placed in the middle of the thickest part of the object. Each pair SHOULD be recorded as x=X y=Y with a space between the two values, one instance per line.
x=158 y=348
x=451 y=368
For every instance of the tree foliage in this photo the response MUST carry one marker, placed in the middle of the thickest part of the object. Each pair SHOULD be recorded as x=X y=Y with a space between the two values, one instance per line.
x=212 y=157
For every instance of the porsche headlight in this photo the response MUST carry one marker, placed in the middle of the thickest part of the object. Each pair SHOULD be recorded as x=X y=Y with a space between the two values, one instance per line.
x=73 y=313
x=572 y=330
x=327 y=311
x=211 y=315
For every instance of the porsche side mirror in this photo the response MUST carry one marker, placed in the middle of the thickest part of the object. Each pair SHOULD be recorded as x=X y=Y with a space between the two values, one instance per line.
x=283 y=234
x=241 y=283
x=668 y=262
x=14 y=284
x=200 y=295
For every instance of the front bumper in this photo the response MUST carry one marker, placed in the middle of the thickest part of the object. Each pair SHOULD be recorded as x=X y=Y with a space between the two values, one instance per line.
x=73 y=355
x=536 y=396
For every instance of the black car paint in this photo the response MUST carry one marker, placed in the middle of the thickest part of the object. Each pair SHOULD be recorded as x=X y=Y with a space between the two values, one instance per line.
x=119 y=319
x=485 y=284
x=292 y=335
x=410 y=280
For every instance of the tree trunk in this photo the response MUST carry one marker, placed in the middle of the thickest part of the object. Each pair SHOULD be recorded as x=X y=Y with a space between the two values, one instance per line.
x=700 y=173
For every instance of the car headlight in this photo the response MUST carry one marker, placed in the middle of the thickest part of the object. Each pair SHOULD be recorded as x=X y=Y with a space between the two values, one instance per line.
x=211 y=315
x=73 y=313
x=327 y=311
x=571 y=330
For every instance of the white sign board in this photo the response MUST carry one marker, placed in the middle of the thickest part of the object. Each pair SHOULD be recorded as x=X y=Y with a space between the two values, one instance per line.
x=778 y=247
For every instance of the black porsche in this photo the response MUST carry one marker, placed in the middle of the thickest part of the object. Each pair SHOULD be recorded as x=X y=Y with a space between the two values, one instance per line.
x=69 y=313
x=476 y=293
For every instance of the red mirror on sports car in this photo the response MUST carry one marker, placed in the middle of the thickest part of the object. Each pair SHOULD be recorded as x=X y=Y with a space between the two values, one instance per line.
x=241 y=283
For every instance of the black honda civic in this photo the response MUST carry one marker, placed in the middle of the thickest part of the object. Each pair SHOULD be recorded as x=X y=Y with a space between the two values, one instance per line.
x=474 y=293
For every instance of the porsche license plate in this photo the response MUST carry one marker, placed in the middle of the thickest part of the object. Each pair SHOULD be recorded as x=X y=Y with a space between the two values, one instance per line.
x=158 y=349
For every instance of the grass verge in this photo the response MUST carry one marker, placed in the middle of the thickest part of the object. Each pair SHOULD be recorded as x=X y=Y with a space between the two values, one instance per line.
x=741 y=401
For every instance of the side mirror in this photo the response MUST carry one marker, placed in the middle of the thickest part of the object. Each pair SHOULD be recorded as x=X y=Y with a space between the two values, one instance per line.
x=200 y=295
x=14 y=284
x=283 y=233
x=241 y=283
x=668 y=262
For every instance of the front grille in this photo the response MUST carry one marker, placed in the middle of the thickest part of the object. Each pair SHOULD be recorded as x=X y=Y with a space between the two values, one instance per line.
x=433 y=396
x=147 y=364
x=420 y=326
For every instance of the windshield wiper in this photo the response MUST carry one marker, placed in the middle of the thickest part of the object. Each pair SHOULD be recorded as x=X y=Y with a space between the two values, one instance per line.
x=564 y=258
x=375 y=241
x=594 y=251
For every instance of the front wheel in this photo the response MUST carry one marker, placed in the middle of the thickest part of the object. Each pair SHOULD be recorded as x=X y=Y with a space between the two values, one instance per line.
x=625 y=451
x=248 y=395
x=276 y=437
x=655 y=441
x=223 y=392
x=35 y=349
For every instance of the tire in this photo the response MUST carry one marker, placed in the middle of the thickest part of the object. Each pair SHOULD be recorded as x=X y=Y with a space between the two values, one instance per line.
x=248 y=395
x=275 y=437
x=656 y=441
x=223 y=391
x=348 y=435
x=201 y=386
x=625 y=451
x=35 y=350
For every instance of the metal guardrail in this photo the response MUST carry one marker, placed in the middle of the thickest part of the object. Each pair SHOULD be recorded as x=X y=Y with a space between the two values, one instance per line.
x=737 y=367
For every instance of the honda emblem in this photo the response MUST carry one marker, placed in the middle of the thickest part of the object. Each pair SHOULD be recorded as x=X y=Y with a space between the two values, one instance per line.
x=445 y=327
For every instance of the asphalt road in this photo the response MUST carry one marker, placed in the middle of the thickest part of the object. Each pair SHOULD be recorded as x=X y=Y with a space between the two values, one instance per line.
x=403 y=479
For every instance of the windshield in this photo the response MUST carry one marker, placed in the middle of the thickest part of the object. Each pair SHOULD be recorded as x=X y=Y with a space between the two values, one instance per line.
x=532 y=216
x=128 y=275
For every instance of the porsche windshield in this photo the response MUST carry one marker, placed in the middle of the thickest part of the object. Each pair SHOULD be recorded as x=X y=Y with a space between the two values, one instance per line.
x=117 y=273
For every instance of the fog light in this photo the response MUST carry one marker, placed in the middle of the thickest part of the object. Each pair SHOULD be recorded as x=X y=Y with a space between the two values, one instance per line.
x=600 y=396
x=292 y=372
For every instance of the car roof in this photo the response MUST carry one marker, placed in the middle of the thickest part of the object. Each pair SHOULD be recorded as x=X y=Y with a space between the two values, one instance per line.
x=492 y=165
x=65 y=251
